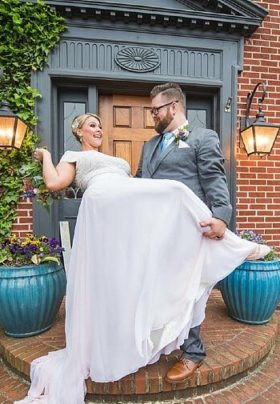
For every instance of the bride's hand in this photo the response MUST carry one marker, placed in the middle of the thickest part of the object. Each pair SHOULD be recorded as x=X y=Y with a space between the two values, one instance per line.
x=39 y=153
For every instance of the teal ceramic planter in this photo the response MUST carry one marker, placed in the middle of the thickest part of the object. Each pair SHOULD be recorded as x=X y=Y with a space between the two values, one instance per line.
x=252 y=291
x=30 y=297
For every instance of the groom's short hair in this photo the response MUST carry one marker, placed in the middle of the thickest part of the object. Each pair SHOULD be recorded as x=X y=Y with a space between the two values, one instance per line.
x=169 y=91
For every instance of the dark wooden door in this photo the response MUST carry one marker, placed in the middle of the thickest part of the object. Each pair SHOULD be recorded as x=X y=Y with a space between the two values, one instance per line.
x=127 y=124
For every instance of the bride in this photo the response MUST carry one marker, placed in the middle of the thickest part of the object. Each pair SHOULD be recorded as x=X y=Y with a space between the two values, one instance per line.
x=140 y=270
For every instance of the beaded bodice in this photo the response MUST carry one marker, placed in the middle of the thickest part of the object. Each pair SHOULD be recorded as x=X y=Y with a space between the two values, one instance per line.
x=91 y=163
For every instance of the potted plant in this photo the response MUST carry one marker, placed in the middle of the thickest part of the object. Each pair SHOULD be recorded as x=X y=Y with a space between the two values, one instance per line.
x=32 y=284
x=252 y=291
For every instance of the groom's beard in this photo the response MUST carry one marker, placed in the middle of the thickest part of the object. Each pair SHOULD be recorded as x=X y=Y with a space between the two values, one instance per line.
x=161 y=125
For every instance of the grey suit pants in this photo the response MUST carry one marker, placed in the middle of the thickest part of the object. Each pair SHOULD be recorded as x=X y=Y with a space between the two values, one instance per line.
x=192 y=347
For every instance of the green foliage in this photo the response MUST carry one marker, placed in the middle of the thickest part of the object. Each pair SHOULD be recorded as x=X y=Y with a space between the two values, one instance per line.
x=272 y=255
x=29 y=31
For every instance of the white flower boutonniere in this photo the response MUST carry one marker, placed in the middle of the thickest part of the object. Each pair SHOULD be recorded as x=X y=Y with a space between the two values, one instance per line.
x=181 y=135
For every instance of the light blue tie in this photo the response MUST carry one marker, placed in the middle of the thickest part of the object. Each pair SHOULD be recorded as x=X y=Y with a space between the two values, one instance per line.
x=165 y=139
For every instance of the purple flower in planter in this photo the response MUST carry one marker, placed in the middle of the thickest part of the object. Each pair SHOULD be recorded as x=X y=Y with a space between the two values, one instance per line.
x=29 y=250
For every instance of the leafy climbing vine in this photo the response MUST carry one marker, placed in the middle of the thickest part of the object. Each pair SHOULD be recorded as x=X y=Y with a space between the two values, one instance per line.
x=29 y=31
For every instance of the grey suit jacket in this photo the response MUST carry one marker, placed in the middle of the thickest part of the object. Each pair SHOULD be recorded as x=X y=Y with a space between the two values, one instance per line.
x=199 y=166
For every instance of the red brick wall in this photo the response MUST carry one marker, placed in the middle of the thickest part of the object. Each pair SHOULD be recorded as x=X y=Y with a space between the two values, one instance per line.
x=23 y=223
x=258 y=179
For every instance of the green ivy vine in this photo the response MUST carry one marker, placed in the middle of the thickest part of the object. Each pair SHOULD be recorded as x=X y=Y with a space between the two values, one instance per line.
x=29 y=31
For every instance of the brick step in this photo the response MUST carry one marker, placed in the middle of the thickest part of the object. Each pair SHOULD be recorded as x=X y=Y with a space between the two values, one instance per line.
x=233 y=350
x=260 y=386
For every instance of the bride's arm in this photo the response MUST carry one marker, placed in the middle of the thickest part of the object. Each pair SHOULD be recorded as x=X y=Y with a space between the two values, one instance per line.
x=55 y=178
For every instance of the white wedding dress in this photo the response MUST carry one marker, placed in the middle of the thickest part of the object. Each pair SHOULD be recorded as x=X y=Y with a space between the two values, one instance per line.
x=139 y=277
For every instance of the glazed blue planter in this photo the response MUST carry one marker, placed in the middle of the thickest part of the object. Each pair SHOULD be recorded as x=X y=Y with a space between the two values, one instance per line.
x=30 y=297
x=252 y=291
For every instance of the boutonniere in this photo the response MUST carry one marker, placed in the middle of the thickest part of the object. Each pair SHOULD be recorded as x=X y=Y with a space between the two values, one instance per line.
x=181 y=134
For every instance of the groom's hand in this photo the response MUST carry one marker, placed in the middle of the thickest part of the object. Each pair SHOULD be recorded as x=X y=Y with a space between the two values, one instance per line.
x=216 y=228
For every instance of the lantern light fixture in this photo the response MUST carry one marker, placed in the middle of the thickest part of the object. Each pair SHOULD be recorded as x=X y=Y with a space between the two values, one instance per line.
x=12 y=128
x=258 y=136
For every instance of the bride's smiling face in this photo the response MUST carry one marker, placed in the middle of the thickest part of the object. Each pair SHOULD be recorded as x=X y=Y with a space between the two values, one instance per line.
x=91 y=134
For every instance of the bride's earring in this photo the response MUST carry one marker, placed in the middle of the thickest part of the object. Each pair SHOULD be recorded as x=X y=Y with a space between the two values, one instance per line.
x=81 y=139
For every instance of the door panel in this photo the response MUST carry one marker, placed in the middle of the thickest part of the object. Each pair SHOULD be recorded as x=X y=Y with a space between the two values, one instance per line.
x=71 y=104
x=70 y=110
x=127 y=124
x=199 y=111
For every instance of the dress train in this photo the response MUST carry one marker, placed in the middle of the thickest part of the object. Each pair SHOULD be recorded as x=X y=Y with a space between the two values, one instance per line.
x=139 y=278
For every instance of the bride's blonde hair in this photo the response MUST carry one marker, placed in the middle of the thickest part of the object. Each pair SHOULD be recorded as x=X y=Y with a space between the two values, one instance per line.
x=78 y=122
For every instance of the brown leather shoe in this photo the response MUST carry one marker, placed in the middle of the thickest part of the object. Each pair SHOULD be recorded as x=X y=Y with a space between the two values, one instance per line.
x=182 y=370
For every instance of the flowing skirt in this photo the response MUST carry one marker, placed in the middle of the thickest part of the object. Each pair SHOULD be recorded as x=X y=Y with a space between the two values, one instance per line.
x=139 y=278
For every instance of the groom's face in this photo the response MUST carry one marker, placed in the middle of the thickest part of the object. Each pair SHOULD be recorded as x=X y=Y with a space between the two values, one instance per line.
x=161 y=113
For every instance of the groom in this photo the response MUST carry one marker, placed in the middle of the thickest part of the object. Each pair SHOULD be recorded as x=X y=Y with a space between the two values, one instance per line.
x=194 y=158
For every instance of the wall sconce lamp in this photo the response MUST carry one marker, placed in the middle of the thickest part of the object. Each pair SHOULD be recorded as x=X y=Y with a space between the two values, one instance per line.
x=12 y=128
x=258 y=136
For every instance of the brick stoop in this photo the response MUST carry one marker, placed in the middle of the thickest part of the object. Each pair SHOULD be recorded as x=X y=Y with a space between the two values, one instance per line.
x=233 y=349
x=259 y=387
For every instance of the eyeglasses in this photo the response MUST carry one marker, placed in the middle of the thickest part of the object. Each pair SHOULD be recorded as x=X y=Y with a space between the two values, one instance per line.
x=155 y=110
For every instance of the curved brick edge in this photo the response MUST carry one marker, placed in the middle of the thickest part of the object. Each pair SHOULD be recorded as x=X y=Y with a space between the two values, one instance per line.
x=233 y=349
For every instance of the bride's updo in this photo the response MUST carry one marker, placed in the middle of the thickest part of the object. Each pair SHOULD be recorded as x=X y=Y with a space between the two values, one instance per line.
x=79 y=121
